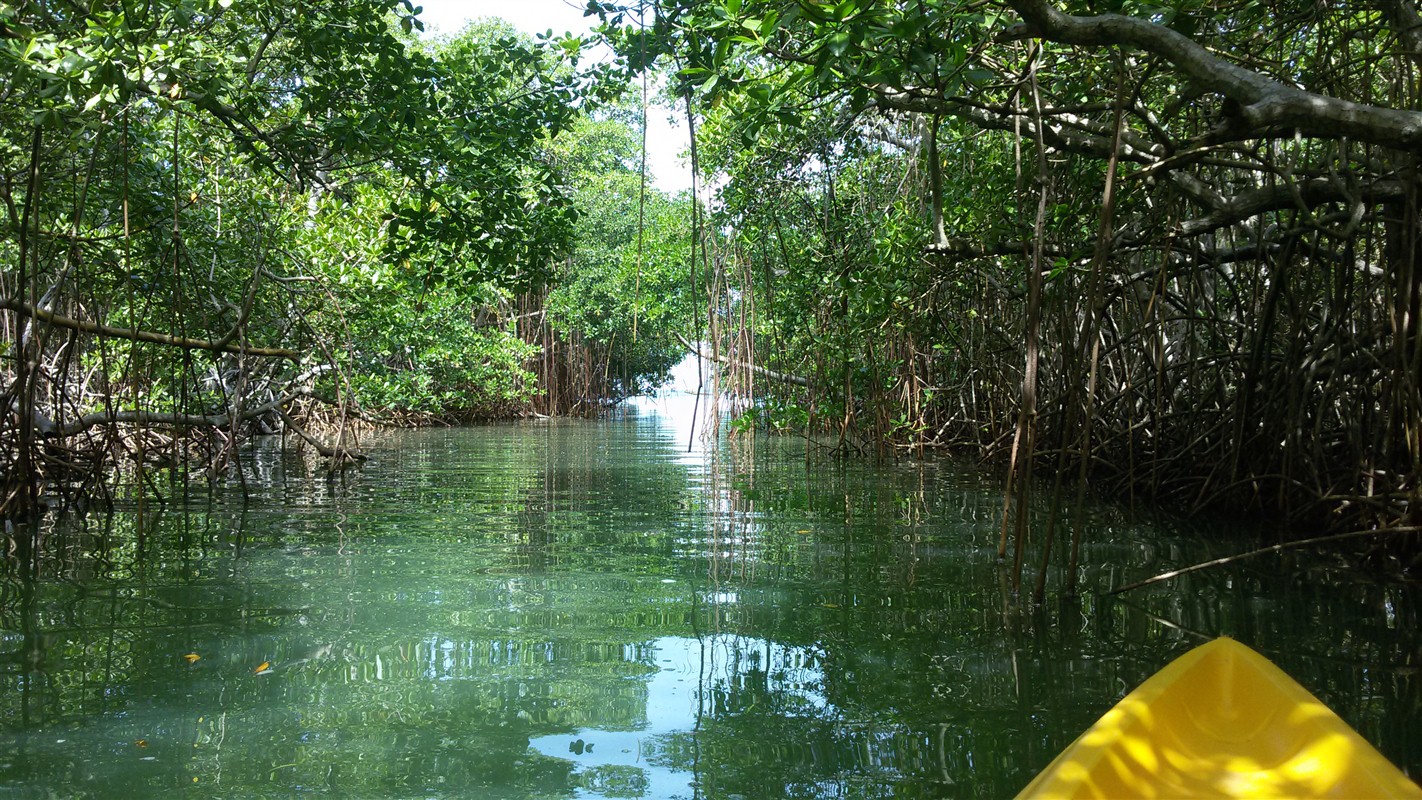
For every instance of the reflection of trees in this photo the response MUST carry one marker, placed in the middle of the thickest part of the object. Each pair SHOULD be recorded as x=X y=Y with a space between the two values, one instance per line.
x=921 y=682
x=825 y=622
x=500 y=587
x=424 y=628
x=352 y=702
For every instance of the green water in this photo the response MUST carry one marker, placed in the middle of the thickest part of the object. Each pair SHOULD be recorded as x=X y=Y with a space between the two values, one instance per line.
x=584 y=609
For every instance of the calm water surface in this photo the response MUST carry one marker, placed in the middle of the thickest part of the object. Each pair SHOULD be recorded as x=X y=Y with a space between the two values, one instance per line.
x=585 y=609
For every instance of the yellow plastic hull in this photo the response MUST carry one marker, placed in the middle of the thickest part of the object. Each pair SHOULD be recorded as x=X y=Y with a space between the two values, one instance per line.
x=1220 y=721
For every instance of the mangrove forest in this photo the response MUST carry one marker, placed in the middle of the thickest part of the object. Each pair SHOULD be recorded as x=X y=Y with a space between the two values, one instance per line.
x=1030 y=341
x=1168 y=252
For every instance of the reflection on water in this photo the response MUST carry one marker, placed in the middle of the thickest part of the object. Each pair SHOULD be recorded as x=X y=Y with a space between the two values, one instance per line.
x=694 y=679
x=616 y=609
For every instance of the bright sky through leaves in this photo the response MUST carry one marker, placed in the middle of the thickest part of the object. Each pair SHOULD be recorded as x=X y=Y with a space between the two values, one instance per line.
x=666 y=142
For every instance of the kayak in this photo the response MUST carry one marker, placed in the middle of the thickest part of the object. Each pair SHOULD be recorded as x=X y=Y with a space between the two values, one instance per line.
x=1220 y=721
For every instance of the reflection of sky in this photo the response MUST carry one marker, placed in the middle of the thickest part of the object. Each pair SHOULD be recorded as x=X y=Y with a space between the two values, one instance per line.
x=689 y=672
x=676 y=408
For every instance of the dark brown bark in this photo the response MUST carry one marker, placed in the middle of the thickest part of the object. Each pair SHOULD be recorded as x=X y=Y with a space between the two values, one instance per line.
x=1262 y=106
x=224 y=345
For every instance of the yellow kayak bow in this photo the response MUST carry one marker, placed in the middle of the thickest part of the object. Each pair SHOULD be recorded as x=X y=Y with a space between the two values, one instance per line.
x=1220 y=721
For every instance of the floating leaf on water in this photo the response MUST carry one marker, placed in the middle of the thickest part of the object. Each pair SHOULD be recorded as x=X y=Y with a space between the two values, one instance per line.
x=263 y=668
x=141 y=742
x=191 y=657
x=806 y=530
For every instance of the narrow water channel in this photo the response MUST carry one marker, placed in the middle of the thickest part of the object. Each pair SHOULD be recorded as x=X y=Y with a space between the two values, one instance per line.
x=565 y=609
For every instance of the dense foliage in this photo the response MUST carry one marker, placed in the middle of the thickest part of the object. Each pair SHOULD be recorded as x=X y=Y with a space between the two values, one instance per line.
x=1170 y=248
x=1173 y=248
x=232 y=218
x=626 y=291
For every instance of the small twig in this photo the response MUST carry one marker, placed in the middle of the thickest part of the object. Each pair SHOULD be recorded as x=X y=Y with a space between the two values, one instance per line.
x=1165 y=576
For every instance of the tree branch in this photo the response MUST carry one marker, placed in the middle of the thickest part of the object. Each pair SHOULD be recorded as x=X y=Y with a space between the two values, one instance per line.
x=1277 y=548
x=96 y=418
x=1266 y=106
x=145 y=336
x=334 y=453
x=1059 y=136
x=759 y=370
x=1310 y=193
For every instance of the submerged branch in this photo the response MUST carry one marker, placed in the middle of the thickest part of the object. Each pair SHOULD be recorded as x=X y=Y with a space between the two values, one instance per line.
x=1277 y=548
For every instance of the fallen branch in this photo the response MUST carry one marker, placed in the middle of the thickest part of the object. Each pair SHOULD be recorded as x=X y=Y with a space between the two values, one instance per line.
x=150 y=418
x=758 y=370
x=336 y=454
x=1277 y=548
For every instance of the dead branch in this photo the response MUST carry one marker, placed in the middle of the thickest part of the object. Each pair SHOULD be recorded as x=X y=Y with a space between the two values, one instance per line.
x=1277 y=548
x=758 y=370
x=146 y=336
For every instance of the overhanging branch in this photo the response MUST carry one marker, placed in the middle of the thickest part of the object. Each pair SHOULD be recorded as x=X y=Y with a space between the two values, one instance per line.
x=1266 y=106
x=136 y=335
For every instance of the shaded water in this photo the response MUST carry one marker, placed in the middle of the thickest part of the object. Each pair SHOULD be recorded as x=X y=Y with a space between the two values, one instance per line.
x=575 y=609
